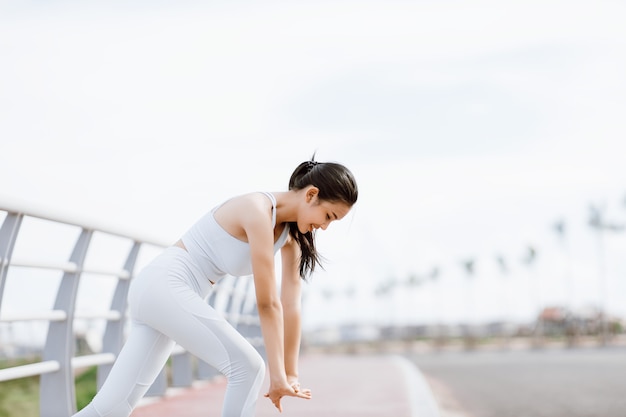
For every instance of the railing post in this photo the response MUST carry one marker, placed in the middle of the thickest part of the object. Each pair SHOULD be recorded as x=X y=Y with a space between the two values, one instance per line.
x=245 y=323
x=57 y=395
x=255 y=333
x=113 y=338
x=182 y=370
x=247 y=305
x=237 y=297
x=8 y=236
x=206 y=371
x=159 y=386
x=249 y=325
x=230 y=301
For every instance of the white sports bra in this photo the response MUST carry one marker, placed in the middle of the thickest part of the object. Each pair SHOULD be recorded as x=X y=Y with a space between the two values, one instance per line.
x=217 y=253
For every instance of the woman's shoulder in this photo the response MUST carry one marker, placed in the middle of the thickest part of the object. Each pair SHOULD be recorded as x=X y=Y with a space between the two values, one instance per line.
x=248 y=206
x=251 y=200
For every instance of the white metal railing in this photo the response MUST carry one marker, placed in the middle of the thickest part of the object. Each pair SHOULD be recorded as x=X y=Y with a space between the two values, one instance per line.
x=33 y=369
x=67 y=267
x=57 y=394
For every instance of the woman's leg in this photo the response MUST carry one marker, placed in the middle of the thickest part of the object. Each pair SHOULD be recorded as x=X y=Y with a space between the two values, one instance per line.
x=165 y=303
x=137 y=366
x=202 y=331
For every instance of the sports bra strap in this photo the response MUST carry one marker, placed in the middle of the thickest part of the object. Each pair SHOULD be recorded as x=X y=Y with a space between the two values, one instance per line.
x=273 y=199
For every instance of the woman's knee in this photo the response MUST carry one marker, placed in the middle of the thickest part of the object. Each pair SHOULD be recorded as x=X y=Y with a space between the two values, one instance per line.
x=248 y=363
x=259 y=364
x=256 y=364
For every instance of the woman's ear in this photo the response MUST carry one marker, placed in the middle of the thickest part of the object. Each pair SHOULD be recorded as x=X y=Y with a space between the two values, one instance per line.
x=311 y=193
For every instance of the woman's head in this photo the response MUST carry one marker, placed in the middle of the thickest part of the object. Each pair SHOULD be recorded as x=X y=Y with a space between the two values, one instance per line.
x=330 y=191
x=334 y=181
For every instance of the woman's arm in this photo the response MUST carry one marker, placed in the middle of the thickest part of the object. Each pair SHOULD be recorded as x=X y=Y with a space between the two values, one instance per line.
x=260 y=234
x=291 y=291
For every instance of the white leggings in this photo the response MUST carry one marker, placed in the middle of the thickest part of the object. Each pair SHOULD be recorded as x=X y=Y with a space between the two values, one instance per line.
x=167 y=306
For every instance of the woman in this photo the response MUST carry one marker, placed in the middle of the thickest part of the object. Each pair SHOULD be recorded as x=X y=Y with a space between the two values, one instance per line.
x=240 y=237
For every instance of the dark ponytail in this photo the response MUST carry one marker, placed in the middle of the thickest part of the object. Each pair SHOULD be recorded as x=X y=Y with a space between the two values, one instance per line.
x=336 y=184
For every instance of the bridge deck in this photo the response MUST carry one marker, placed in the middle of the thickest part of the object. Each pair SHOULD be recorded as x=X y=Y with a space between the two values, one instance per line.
x=342 y=385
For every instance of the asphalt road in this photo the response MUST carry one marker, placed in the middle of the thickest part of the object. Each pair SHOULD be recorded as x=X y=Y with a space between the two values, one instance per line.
x=534 y=383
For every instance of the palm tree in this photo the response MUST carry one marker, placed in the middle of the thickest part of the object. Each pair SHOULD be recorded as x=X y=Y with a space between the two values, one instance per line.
x=386 y=290
x=560 y=228
x=598 y=222
x=504 y=271
x=439 y=337
x=529 y=260
x=469 y=266
x=412 y=283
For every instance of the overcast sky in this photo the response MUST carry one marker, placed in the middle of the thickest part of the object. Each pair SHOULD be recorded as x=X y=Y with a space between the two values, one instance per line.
x=471 y=128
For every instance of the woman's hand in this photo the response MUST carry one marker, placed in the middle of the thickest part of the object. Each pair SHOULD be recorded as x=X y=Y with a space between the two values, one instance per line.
x=290 y=389
x=293 y=381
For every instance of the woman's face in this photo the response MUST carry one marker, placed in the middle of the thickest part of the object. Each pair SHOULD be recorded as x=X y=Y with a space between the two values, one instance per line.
x=318 y=214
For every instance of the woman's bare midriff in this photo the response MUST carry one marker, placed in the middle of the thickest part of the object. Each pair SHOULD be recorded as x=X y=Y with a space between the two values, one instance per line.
x=181 y=245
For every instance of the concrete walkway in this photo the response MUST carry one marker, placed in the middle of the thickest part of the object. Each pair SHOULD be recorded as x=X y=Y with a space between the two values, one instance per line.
x=342 y=385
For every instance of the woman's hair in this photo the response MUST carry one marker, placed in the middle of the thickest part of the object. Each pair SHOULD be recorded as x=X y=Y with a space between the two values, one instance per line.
x=336 y=184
